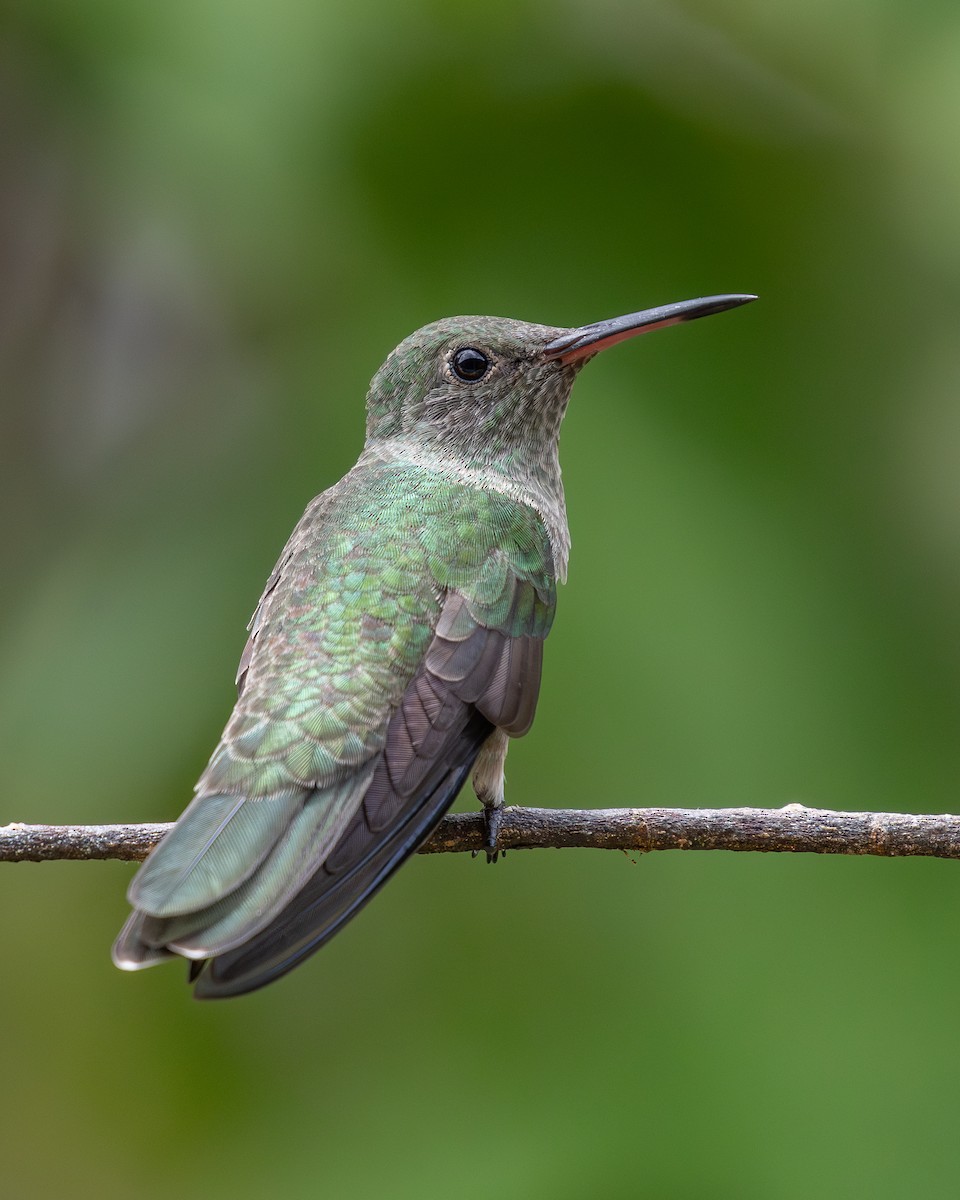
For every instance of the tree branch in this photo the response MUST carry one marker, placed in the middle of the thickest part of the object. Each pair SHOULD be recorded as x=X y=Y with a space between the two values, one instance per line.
x=635 y=830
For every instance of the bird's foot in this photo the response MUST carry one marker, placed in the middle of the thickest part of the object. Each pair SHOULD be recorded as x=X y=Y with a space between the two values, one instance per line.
x=492 y=823
x=488 y=784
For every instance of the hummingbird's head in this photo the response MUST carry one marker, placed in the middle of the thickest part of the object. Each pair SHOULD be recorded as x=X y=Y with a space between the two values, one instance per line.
x=472 y=386
x=493 y=391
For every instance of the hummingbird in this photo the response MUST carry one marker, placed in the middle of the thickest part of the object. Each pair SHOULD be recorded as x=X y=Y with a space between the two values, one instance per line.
x=396 y=648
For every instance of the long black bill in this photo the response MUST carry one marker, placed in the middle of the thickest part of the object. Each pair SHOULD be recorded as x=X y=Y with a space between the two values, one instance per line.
x=590 y=339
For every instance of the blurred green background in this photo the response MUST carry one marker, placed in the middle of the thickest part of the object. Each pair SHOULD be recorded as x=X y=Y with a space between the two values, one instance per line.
x=217 y=218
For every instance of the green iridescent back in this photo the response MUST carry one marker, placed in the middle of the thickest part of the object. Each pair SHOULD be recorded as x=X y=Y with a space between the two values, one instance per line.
x=340 y=636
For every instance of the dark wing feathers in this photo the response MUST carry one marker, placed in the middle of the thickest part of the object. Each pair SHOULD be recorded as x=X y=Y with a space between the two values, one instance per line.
x=472 y=680
x=407 y=797
x=497 y=672
x=510 y=698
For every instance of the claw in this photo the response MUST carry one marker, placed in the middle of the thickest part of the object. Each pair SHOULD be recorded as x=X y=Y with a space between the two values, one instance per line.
x=492 y=823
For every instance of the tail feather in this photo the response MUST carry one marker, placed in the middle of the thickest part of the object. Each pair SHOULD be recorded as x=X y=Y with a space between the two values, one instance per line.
x=218 y=843
x=235 y=912
x=360 y=865
x=131 y=952
x=238 y=916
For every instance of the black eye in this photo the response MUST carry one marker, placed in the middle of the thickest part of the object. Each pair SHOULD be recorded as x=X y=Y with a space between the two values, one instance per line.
x=470 y=364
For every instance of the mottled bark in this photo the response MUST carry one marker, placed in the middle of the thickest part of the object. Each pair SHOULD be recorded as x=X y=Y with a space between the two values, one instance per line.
x=637 y=830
